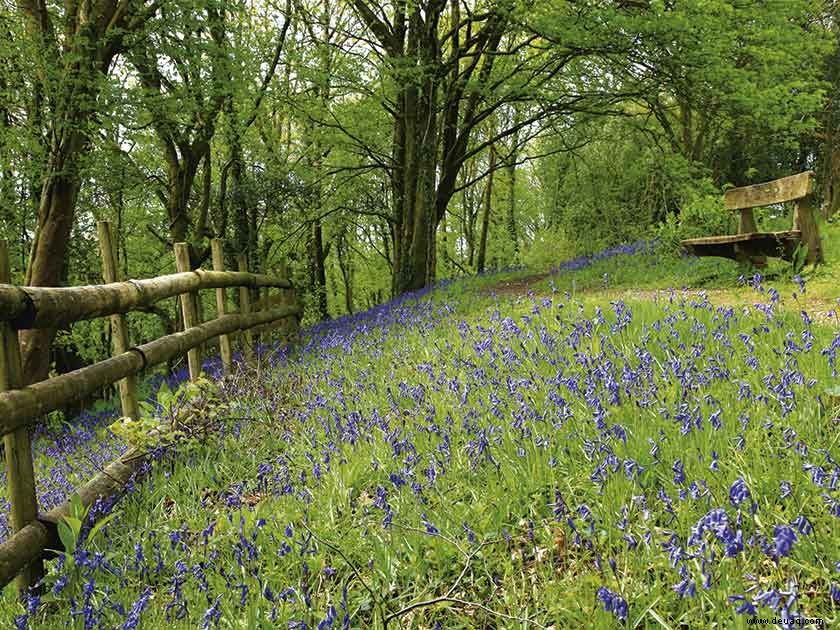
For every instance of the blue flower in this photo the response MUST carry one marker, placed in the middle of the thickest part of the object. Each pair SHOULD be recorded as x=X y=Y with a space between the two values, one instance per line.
x=137 y=609
x=212 y=615
x=679 y=472
x=802 y=525
x=685 y=588
x=745 y=606
x=738 y=492
x=784 y=538
x=613 y=603
x=430 y=528
x=785 y=489
x=559 y=507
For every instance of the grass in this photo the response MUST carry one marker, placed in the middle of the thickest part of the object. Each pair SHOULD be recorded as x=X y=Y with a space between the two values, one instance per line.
x=462 y=459
x=658 y=268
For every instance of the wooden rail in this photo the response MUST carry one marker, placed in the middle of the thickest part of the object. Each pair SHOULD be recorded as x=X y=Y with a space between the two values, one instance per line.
x=22 y=554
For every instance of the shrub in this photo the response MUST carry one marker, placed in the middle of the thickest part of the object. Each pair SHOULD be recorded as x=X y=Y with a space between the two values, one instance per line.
x=549 y=247
x=701 y=215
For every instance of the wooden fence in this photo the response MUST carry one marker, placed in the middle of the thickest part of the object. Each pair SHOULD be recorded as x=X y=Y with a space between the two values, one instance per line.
x=22 y=554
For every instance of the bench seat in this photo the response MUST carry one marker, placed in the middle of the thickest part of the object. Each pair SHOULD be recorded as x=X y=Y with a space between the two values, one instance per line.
x=741 y=246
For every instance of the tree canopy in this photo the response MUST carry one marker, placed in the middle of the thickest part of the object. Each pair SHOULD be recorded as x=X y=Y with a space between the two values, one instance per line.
x=374 y=148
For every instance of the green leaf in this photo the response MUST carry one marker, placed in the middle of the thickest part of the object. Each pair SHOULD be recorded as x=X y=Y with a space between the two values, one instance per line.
x=99 y=526
x=661 y=621
x=67 y=537
x=74 y=524
x=800 y=257
x=76 y=508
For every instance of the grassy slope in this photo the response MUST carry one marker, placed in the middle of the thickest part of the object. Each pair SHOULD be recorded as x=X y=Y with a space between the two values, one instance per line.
x=518 y=453
x=720 y=277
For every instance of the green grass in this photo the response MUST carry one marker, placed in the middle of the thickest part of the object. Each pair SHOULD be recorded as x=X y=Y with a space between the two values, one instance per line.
x=355 y=465
x=661 y=268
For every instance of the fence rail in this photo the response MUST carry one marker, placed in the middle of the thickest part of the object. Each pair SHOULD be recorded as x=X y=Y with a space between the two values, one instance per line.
x=53 y=307
x=22 y=554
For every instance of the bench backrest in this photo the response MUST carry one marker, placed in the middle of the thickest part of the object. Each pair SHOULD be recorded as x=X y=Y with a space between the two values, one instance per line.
x=778 y=191
x=798 y=188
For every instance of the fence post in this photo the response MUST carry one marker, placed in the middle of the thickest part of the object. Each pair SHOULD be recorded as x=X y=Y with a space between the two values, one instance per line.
x=290 y=325
x=221 y=304
x=119 y=330
x=245 y=308
x=188 y=308
x=20 y=472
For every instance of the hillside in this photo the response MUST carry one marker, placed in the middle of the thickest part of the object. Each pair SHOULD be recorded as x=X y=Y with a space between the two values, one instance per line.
x=491 y=453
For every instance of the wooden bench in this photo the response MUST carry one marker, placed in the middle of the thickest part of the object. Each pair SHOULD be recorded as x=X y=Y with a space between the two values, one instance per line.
x=751 y=245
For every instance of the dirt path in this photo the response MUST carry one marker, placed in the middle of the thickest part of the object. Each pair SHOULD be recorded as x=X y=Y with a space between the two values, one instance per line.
x=518 y=286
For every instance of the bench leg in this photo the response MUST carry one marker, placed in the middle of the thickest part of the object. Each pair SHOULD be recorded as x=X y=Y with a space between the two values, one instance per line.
x=804 y=221
x=746 y=225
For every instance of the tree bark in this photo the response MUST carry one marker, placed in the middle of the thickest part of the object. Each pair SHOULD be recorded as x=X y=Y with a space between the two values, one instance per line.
x=95 y=33
x=485 y=219
x=831 y=167
x=511 y=206
x=434 y=118
x=345 y=264
x=317 y=267
x=49 y=251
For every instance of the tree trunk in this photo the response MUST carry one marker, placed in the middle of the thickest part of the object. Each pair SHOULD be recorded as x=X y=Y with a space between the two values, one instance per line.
x=831 y=174
x=345 y=265
x=181 y=177
x=511 y=209
x=485 y=219
x=416 y=139
x=49 y=251
x=447 y=259
x=317 y=267
x=94 y=36
x=425 y=169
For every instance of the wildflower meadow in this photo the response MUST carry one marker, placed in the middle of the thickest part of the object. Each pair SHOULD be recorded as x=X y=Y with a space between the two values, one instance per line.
x=462 y=459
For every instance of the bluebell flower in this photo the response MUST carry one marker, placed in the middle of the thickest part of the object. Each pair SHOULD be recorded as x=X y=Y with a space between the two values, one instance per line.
x=470 y=533
x=785 y=489
x=686 y=588
x=802 y=525
x=137 y=609
x=738 y=492
x=679 y=472
x=613 y=603
x=60 y=584
x=559 y=507
x=784 y=538
x=745 y=606
x=430 y=528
